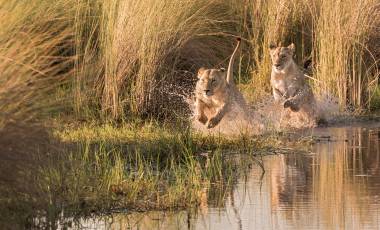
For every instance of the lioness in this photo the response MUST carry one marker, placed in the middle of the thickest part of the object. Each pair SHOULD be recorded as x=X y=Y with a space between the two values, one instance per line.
x=215 y=91
x=289 y=84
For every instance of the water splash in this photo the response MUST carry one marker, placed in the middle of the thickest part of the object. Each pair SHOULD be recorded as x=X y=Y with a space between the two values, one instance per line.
x=276 y=118
x=268 y=116
x=262 y=117
x=328 y=108
x=237 y=121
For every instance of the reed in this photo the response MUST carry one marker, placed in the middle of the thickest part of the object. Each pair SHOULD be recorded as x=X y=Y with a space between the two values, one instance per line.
x=146 y=49
x=281 y=22
x=338 y=37
x=125 y=58
x=36 y=57
x=343 y=50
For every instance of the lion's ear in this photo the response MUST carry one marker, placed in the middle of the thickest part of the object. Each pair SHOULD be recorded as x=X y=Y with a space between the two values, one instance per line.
x=200 y=71
x=292 y=47
x=222 y=69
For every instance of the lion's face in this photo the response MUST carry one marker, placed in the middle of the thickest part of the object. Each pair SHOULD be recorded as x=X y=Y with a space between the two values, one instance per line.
x=211 y=81
x=281 y=56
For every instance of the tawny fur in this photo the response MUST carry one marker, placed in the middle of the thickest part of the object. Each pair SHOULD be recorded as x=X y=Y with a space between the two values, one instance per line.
x=215 y=91
x=289 y=85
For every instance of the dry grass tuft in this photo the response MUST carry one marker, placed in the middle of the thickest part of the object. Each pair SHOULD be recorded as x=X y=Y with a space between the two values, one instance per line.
x=36 y=56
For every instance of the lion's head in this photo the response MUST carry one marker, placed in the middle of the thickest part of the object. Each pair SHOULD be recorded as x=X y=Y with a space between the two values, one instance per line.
x=211 y=81
x=281 y=56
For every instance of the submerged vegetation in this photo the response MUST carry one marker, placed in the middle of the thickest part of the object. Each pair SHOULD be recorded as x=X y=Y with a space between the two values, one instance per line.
x=84 y=70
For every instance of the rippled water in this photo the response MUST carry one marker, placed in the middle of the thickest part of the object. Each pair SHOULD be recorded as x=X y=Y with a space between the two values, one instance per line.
x=335 y=186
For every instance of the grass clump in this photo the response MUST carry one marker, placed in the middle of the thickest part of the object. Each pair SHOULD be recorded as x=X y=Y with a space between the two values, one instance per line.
x=105 y=172
x=35 y=55
x=375 y=101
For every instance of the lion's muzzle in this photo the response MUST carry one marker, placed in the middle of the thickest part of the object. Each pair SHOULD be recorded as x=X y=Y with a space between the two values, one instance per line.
x=278 y=66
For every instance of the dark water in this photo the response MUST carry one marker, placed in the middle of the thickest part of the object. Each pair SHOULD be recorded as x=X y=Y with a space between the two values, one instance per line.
x=335 y=186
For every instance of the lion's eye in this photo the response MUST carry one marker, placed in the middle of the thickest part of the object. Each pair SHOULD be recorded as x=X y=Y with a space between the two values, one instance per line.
x=283 y=56
x=213 y=80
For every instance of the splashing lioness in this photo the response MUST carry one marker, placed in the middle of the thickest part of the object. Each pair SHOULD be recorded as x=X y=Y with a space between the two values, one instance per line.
x=289 y=84
x=215 y=91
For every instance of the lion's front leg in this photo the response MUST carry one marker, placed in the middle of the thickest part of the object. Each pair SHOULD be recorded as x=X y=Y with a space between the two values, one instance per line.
x=214 y=121
x=296 y=100
x=292 y=104
x=199 y=111
x=277 y=95
x=302 y=96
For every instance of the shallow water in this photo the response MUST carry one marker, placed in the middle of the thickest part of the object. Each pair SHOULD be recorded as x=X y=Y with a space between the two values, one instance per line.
x=335 y=186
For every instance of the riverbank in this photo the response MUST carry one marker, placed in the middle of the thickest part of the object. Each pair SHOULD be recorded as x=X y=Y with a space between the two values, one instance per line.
x=335 y=184
x=86 y=168
x=83 y=170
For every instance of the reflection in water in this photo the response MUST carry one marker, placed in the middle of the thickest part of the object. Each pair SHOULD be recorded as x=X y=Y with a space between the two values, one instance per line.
x=336 y=186
x=331 y=188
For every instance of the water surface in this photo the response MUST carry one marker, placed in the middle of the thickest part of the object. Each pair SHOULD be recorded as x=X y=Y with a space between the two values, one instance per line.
x=334 y=186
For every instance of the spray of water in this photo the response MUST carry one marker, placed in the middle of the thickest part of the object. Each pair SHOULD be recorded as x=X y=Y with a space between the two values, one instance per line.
x=264 y=116
x=237 y=121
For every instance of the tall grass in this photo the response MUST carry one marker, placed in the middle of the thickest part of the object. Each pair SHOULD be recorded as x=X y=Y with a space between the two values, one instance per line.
x=281 y=22
x=339 y=38
x=36 y=55
x=147 y=48
x=343 y=50
x=122 y=58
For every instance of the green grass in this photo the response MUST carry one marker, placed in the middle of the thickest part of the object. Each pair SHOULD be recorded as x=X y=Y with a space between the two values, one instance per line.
x=92 y=168
x=375 y=101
